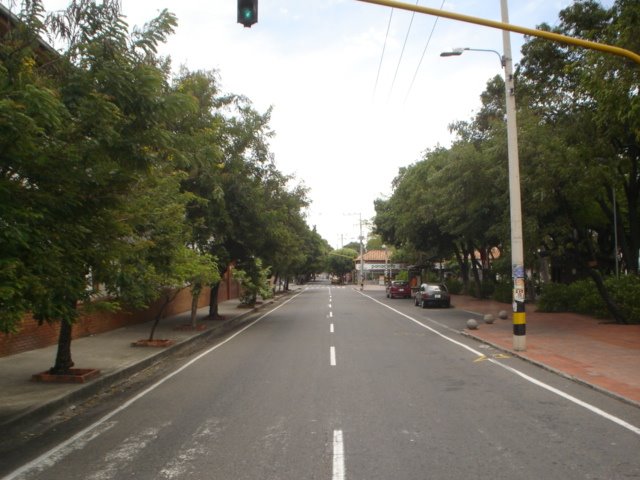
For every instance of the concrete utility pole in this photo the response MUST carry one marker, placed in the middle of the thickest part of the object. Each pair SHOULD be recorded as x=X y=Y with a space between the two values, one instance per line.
x=361 y=238
x=515 y=202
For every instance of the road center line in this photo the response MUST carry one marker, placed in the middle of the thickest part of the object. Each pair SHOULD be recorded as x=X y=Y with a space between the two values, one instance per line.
x=526 y=377
x=338 y=455
x=332 y=354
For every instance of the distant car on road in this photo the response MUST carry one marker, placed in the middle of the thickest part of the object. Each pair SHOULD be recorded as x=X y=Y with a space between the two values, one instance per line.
x=398 y=288
x=435 y=294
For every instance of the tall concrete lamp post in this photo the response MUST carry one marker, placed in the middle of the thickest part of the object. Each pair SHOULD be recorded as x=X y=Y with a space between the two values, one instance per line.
x=517 y=244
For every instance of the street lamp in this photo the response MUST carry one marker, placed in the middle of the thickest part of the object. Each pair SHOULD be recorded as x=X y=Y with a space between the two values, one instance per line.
x=515 y=202
x=456 y=52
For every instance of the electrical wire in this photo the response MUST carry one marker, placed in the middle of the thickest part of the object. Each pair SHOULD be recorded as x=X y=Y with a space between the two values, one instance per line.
x=423 y=53
x=384 y=46
x=402 y=52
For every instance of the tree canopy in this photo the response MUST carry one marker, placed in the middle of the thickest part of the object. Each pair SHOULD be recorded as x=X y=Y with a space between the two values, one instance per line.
x=120 y=180
x=579 y=135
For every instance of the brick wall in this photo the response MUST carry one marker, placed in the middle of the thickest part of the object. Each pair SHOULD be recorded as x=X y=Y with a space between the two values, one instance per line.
x=32 y=336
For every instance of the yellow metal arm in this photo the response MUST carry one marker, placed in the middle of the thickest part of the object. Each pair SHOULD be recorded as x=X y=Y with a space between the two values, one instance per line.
x=512 y=28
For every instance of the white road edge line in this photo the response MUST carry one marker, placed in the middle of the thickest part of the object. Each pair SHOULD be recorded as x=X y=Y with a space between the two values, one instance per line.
x=338 y=455
x=33 y=463
x=526 y=377
x=332 y=354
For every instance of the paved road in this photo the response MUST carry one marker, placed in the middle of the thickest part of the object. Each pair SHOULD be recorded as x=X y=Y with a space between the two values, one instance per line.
x=339 y=384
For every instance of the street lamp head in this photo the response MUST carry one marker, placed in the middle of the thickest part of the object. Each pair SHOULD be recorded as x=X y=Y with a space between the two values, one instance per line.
x=453 y=53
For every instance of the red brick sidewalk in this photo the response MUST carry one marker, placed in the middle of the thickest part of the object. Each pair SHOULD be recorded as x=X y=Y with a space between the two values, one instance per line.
x=604 y=355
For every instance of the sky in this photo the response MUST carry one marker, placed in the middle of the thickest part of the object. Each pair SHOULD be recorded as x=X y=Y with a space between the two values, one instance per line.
x=358 y=90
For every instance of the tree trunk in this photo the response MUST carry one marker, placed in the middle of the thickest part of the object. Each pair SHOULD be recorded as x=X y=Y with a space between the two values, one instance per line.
x=464 y=267
x=63 y=357
x=617 y=315
x=168 y=298
x=476 y=275
x=213 y=301
x=195 y=296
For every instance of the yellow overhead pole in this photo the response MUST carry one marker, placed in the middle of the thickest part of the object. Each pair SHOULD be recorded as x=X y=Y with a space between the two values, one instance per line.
x=602 y=47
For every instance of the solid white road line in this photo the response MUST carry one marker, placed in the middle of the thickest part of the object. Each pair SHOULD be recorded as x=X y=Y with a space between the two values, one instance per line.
x=332 y=355
x=34 y=463
x=526 y=377
x=338 y=455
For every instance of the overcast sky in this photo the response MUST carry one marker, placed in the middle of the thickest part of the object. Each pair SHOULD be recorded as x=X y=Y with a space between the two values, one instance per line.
x=316 y=62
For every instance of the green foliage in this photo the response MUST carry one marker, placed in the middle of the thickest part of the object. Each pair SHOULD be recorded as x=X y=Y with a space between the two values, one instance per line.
x=454 y=285
x=111 y=171
x=254 y=281
x=578 y=297
x=503 y=292
x=554 y=297
x=625 y=291
x=579 y=146
x=341 y=261
x=487 y=288
x=583 y=297
x=403 y=275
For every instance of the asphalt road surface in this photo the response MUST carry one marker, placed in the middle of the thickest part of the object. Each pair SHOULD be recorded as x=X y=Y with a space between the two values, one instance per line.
x=339 y=384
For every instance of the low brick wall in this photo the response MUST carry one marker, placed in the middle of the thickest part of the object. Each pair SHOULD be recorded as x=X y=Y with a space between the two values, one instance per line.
x=32 y=336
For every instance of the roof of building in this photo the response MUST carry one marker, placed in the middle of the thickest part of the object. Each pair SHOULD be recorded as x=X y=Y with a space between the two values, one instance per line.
x=375 y=256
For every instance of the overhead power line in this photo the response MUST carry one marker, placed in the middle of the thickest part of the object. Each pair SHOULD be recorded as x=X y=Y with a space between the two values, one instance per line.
x=402 y=52
x=423 y=52
x=384 y=46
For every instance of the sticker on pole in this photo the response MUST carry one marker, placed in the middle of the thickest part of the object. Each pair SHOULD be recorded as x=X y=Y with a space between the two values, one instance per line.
x=518 y=290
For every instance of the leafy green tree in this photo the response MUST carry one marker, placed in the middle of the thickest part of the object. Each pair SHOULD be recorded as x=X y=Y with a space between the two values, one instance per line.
x=341 y=261
x=89 y=131
x=155 y=262
x=316 y=250
x=254 y=281
x=588 y=102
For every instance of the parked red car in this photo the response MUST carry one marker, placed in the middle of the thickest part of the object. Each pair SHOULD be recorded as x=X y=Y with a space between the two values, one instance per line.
x=398 y=288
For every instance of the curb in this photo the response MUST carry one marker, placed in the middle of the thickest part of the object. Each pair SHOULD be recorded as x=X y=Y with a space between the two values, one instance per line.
x=550 y=369
x=40 y=412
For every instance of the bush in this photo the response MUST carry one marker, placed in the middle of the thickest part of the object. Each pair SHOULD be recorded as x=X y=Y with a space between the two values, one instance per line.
x=503 y=292
x=583 y=297
x=554 y=297
x=454 y=286
x=626 y=293
x=486 y=288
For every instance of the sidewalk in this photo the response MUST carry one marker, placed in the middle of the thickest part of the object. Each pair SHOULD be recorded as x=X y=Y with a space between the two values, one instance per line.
x=22 y=399
x=603 y=355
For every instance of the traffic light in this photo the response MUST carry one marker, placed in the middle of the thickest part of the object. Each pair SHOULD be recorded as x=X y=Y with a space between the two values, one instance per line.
x=247 y=12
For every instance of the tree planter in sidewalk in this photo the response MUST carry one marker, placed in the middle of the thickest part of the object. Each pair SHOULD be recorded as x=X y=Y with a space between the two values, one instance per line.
x=153 y=343
x=75 y=375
